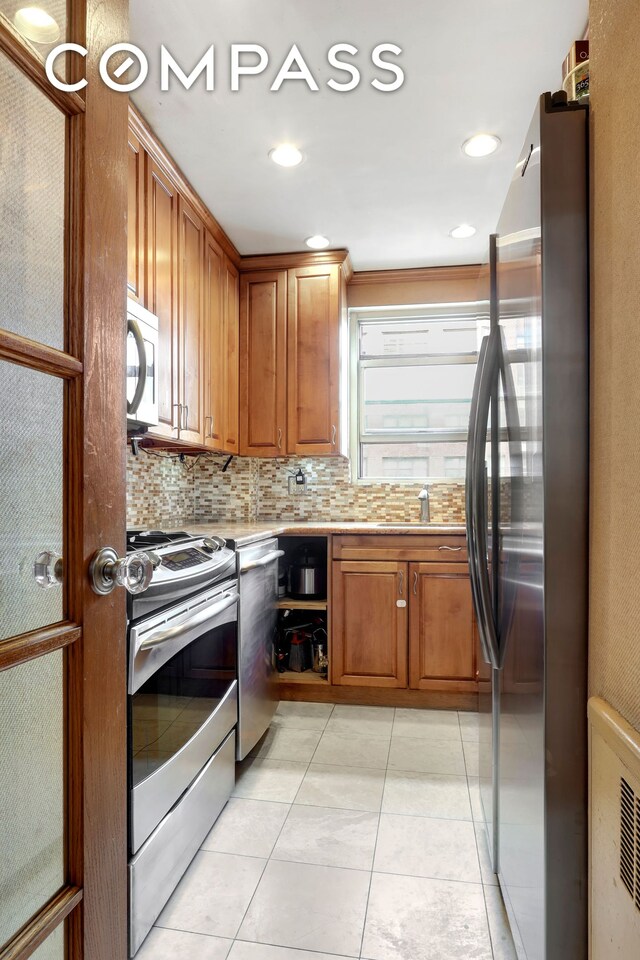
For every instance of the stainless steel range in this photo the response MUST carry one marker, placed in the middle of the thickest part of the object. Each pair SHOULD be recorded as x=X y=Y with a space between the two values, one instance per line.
x=183 y=711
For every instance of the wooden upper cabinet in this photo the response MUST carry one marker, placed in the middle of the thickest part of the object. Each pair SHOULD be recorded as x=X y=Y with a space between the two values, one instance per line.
x=313 y=371
x=369 y=623
x=135 y=220
x=214 y=279
x=263 y=333
x=221 y=320
x=161 y=293
x=231 y=350
x=191 y=372
x=441 y=628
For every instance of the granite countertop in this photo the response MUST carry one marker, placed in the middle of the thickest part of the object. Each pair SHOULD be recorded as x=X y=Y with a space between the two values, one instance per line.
x=243 y=533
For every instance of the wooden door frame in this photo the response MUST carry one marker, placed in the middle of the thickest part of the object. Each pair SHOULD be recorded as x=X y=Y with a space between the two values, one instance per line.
x=94 y=897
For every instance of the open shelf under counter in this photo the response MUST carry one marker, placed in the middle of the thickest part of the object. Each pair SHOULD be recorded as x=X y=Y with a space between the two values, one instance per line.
x=288 y=603
x=308 y=677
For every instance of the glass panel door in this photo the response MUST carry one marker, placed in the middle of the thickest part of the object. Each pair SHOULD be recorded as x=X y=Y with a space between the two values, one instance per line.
x=32 y=865
x=33 y=835
x=62 y=489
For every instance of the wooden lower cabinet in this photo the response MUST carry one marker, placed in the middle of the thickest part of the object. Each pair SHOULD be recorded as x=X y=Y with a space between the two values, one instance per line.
x=442 y=641
x=404 y=625
x=369 y=623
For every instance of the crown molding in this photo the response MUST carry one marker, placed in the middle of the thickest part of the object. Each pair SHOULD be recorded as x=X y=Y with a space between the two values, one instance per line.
x=289 y=261
x=152 y=145
x=468 y=271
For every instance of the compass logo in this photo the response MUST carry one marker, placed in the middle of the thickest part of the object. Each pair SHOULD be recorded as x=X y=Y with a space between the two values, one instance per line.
x=243 y=60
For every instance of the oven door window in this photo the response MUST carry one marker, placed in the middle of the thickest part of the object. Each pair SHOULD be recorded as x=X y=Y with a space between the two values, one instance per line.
x=174 y=703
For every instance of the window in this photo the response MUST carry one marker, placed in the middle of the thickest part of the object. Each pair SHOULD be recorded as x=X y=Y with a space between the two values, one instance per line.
x=414 y=369
x=454 y=466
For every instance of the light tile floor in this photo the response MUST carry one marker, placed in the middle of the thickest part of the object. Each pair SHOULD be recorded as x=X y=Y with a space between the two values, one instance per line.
x=352 y=832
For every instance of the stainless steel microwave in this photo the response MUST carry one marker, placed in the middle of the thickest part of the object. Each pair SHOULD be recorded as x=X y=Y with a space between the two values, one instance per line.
x=142 y=366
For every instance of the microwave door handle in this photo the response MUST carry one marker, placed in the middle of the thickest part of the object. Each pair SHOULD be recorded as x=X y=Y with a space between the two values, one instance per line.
x=208 y=613
x=263 y=561
x=134 y=328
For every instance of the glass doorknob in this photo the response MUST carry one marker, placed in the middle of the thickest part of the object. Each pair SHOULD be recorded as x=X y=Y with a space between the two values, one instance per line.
x=132 y=572
x=47 y=569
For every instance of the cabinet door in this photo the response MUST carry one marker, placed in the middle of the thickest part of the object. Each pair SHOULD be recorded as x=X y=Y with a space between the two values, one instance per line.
x=369 y=623
x=162 y=298
x=214 y=284
x=231 y=316
x=313 y=372
x=135 y=220
x=263 y=331
x=441 y=628
x=191 y=373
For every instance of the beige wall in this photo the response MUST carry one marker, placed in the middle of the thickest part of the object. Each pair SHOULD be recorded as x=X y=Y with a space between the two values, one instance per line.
x=615 y=481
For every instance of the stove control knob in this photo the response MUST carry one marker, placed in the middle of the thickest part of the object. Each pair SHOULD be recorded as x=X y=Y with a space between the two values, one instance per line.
x=155 y=558
x=212 y=544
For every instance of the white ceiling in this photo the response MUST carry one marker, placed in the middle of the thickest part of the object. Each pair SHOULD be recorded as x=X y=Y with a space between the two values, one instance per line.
x=384 y=175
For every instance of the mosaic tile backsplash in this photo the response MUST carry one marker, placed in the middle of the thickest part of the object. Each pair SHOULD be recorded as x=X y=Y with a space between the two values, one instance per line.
x=254 y=489
x=159 y=486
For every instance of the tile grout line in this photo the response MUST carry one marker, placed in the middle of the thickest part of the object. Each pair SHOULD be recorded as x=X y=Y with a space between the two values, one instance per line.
x=375 y=845
x=268 y=859
x=278 y=946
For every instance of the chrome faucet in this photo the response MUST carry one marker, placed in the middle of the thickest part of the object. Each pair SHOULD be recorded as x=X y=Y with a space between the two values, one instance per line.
x=423 y=497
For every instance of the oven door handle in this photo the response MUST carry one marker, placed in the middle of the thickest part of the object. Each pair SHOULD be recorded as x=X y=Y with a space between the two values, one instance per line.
x=263 y=562
x=208 y=613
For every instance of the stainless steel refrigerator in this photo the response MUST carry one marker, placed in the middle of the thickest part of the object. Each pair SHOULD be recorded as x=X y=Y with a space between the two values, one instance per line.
x=527 y=529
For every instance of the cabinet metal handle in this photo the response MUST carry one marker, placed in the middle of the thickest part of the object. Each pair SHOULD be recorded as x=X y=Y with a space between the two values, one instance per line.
x=179 y=406
x=333 y=434
x=415 y=583
x=450 y=549
x=279 y=438
x=400 y=582
x=208 y=434
x=185 y=417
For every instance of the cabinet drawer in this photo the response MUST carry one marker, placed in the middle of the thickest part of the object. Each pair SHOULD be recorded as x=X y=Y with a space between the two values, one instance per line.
x=438 y=548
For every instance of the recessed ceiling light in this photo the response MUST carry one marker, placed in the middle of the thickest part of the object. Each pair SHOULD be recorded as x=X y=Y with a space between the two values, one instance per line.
x=286 y=155
x=481 y=145
x=35 y=24
x=317 y=242
x=463 y=232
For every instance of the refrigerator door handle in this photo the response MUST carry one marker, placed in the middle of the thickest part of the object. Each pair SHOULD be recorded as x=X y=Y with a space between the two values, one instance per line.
x=470 y=503
x=489 y=377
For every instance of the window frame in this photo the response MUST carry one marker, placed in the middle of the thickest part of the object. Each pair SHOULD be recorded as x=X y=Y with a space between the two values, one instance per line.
x=470 y=310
